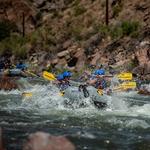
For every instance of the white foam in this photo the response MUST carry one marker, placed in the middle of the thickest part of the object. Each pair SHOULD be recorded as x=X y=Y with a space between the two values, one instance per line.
x=135 y=123
x=46 y=100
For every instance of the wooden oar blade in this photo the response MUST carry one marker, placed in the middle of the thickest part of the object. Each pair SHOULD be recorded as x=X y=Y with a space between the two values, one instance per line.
x=48 y=76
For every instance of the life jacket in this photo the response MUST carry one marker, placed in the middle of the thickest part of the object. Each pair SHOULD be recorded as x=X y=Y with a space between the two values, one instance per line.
x=100 y=84
x=63 y=86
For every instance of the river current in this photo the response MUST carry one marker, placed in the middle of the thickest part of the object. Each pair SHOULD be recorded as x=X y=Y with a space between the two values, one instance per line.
x=124 y=125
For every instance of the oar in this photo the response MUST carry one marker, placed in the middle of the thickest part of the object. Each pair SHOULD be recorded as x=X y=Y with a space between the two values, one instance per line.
x=126 y=86
x=31 y=73
x=125 y=76
x=122 y=76
x=100 y=92
x=49 y=76
x=27 y=71
x=27 y=94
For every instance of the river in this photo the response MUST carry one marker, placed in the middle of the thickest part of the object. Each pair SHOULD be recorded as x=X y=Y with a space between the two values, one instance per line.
x=124 y=125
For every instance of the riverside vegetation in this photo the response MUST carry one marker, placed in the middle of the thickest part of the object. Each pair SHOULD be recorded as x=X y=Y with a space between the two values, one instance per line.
x=72 y=34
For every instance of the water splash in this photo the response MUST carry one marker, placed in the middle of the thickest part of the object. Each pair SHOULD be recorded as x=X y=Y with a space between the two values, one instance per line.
x=46 y=100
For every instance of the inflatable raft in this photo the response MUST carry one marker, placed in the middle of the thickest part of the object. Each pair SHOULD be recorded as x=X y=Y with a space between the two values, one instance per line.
x=78 y=97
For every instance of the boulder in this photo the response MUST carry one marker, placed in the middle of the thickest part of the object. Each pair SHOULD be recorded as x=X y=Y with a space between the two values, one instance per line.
x=95 y=59
x=144 y=92
x=7 y=83
x=81 y=59
x=66 y=44
x=73 y=49
x=54 y=61
x=63 y=54
x=143 y=55
x=143 y=69
x=79 y=52
x=61 y=63
x=44 y=141
x=42 y=57
x=138 y=70
x=144 y=43
x=147 y=68
x=92 y=43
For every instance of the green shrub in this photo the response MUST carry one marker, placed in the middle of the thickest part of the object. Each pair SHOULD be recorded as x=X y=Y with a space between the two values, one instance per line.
x=38 y=16
x=104 y=30
x=78 y=10
x=34 y=38
x=75 y=32
x=76 y=2
x=38 y=36
x=67 y=2
x=57 y=14
x=6 y=27
x=126 y=28
x=116 y=10
x=44 y=38
x=116 y=32
x=15 y=45
x=130 y=27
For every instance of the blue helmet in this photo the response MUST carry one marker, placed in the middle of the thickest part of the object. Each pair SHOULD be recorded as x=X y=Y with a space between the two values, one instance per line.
x=67 y=74
x=99 y=72
x=60 y=77
x=21 y=66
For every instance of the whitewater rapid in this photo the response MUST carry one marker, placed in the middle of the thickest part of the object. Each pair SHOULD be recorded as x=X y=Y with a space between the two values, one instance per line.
x=47 y=100
x=124 y=124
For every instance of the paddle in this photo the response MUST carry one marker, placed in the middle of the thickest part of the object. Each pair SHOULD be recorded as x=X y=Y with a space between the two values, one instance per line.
x=31 y=73
x=49 y=76
x=100 y=92
x=27 y=71
x=122 y=76
x=126 y=86
x=46 y=75
x=125 y=76
x=27 y=94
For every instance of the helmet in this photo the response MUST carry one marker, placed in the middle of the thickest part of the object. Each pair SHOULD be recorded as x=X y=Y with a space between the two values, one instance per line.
x=99 y=72
x=96 y=72
x=21 y=66
x=67 y=74
x=60 y=77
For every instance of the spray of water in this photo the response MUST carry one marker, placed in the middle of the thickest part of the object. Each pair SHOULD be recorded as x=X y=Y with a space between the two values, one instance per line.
x=47 y=100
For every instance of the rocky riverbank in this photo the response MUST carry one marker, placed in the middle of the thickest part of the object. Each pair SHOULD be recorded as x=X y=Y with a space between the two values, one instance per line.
x=72 y=35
